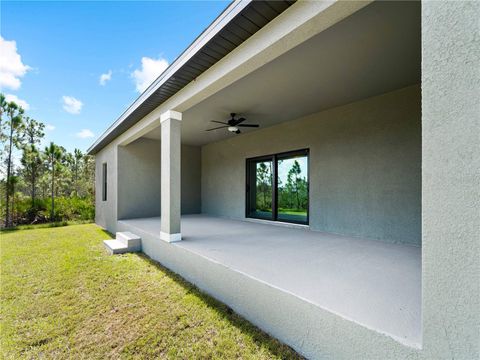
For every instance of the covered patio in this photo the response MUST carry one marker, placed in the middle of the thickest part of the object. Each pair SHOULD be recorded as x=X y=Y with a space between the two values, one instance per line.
x=187 y=189
x=370 y=95
x=372 y=283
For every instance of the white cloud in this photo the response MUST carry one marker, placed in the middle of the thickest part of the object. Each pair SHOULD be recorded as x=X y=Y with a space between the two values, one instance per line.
x=11 y=66
x=49 y=127
x=85 y=133
x=151 y=69
x=16 y=100
x=72 y=105
x=105 y=77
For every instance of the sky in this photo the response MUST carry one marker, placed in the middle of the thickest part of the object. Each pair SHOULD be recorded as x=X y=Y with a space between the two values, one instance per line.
x=285 y=165
x=76 y=66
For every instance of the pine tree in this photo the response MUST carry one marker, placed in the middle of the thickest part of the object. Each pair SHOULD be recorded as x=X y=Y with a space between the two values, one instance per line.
x=33 y=131
x=294 y=180
x=14 y=123
x=32 y=164
x=54 y=156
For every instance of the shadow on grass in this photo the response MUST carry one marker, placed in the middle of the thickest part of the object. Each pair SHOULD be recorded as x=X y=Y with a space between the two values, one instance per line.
x=260 y=337
x=108 y=234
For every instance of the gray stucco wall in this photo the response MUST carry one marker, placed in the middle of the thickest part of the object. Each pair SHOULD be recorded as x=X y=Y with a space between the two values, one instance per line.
x=137 y=193
x=365 y=167
x=191 y=179
x=106 y=211
x=139 y=179
x=451 y=179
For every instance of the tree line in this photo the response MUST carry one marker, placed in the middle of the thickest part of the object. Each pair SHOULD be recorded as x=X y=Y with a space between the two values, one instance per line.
x=49 y=184
x=292 y=195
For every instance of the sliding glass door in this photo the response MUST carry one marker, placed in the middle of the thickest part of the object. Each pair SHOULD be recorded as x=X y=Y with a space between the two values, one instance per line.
x=260 y=188
x=277 y=187
x=292 y=180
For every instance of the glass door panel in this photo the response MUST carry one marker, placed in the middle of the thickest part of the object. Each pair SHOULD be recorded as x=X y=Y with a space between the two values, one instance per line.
x=260 y=188
x=292 y=185
x=278 y=186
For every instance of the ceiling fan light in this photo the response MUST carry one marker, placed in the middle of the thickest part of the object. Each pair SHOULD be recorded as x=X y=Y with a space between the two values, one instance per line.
x=233 y=129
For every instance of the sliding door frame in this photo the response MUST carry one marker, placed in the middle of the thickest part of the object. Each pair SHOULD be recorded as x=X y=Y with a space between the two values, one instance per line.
x=274 y=158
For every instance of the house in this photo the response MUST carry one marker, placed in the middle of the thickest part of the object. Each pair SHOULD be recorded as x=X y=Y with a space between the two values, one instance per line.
x=347 y=223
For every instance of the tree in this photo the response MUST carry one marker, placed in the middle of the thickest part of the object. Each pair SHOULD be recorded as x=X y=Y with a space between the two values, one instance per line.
x=294 y=180
x=88 y=176
x=3 y=107
x=3 y=135
x=14 y=122
x=32 y=164
x=32 y=131
x=264 y=180
x=27 y=187
x=77 y=162
x=43 y=183
x=12 y=184
x=53 y=155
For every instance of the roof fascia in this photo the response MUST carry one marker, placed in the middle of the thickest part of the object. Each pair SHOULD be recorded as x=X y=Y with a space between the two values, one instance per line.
x=215 y=27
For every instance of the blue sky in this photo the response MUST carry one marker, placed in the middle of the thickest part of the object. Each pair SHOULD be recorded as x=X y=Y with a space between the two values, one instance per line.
x=63 y=48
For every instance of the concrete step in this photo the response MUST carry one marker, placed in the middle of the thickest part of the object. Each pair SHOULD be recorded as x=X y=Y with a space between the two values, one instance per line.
x=115 y=246
x=131 y=241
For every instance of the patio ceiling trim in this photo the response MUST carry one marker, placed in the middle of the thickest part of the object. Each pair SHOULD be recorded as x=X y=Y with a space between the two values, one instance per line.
x=239 y=21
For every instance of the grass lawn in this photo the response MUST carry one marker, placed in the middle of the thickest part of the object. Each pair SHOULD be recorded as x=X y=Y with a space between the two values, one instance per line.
x=62 y=296
x=292 y=212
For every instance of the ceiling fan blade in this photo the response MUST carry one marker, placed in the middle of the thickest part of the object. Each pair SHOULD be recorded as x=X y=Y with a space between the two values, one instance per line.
x=220 y=127
x=248 y=125
x=238 y=121
x=219 y=122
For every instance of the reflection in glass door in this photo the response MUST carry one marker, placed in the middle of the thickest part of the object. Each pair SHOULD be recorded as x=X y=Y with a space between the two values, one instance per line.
x=260 y=188
x=293 y=188
x=277 y=187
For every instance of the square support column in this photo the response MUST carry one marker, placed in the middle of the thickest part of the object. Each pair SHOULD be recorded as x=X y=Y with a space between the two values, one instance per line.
x=170 y=123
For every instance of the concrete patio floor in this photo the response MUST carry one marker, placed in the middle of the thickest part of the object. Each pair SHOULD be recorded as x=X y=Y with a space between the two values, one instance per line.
x=372 y=283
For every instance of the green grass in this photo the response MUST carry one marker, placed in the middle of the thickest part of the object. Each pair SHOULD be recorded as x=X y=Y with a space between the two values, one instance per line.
x=292 y=212
x=48 y=225
x=62 y=296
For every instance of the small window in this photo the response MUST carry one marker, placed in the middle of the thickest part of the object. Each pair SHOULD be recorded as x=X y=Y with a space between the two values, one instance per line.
x=104 y=181
x=278 y=186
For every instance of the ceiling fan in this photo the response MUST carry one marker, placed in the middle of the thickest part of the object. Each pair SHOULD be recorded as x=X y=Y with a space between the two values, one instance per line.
x=233 y=124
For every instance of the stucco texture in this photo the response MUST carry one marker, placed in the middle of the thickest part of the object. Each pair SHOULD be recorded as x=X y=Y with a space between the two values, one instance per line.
x=139 y=179
x=134 y=181
x=451 y=178
x=365 y=167
x=106 y=211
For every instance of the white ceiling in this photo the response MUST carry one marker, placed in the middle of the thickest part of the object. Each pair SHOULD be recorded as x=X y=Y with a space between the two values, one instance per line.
x=374 y=51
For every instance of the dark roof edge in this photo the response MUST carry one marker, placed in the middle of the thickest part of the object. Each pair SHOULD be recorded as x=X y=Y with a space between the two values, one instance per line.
x=233 y=10
x=217 y=24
